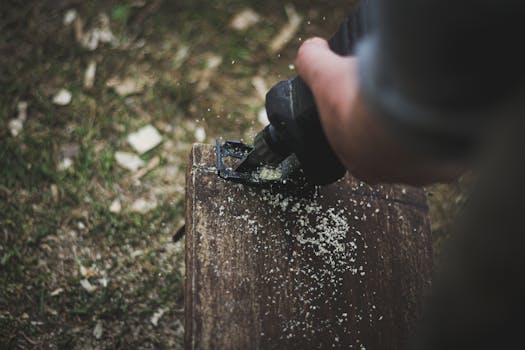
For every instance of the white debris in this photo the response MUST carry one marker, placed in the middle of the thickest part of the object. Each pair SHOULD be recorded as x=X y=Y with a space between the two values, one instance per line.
x=142 y=205
x=17 y=124
x=213 y=61
x=156 y=317
x=62 y=97
x=288 y=31
x=129 y=160
x=244 y=19
x=200 y=134
x=56 y=292
x=103 y=282
x=65 y=164
x=99 y=34
x=115 y=206
x=145 y=139
x=262 y=117
x=87 y=272
x=97 y=331
x=127 y=86
x=89 y=75
x=70 y=16
x=87 y=286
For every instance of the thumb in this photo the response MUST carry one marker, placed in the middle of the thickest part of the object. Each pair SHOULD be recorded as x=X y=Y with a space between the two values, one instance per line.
x=315 y=61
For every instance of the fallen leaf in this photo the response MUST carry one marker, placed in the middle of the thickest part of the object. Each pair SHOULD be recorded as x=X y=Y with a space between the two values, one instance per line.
x=244 y=19
x=129 y=160
x=145 y=139
x=62 y=97
x=288 y=31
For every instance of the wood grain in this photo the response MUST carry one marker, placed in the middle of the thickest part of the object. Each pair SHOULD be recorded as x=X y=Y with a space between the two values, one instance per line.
x=343 y=266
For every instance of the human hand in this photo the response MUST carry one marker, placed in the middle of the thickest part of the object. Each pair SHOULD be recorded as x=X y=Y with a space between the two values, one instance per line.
x=355 y=132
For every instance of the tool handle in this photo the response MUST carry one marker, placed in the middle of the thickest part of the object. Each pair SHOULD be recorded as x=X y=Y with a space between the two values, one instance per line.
x=294 y=117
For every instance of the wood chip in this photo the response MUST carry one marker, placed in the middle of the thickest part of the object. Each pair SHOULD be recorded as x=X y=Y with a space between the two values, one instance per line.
x=244 y=19
x=288 y=31
x=89 y=75
x=129 y=160
x=87 y=286
x=152 y=164
x=145 y=139
x=98 y=330
x=62 y=97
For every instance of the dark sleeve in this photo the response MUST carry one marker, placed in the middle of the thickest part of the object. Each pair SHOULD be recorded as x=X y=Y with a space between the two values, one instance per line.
x=439 y=71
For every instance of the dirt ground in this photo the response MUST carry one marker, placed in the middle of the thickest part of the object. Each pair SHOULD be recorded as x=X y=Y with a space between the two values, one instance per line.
x=87 y=259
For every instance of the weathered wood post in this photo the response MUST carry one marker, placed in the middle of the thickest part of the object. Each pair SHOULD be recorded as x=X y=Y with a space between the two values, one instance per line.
x=345 y=266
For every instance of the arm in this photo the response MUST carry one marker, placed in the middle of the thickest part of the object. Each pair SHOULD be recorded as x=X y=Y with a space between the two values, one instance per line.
x=424 y=91
x=367 y=149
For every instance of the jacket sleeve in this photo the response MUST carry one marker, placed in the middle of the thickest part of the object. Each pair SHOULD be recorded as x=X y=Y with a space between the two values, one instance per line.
x=438 y=72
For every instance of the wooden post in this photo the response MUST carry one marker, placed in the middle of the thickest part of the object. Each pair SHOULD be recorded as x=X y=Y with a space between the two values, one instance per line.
x=344 y=266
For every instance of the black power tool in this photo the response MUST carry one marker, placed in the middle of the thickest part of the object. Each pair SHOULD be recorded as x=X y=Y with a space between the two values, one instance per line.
x=294 y=142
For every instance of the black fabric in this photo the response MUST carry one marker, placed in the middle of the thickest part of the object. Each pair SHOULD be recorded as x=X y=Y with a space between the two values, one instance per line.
x=438 y=71
x=448 y=78
x=478 y=301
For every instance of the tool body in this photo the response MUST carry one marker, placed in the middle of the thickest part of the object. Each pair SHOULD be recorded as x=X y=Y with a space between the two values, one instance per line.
x=294 y=140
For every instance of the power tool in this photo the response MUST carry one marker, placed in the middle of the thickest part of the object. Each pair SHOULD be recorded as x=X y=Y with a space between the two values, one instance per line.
x=293 y=145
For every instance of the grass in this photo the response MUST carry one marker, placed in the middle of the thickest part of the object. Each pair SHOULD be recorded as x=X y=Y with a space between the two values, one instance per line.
x=56 y=223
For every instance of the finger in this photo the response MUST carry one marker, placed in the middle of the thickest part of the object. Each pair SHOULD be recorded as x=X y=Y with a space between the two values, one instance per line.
x=314 y=57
